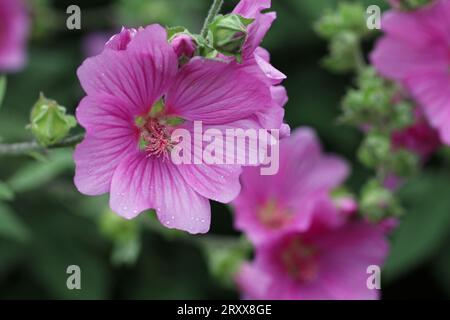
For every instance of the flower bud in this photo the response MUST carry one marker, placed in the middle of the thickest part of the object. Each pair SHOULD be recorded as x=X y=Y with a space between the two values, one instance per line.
x=49 y=121
x=378 y=202
x=184 y=46
x=125 y=236
x=228 y=34
x=375 y=149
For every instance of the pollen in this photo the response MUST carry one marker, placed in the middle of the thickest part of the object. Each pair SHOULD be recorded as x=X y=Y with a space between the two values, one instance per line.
x=155 y=138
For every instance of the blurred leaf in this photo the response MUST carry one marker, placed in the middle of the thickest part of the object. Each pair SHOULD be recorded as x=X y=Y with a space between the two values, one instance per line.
x=225 y=256
x=126 y=253
x=441 y=267
x=10 y=225
x=65 y=240
x=5 y=192
x=10 y=255
x=36 y=174
x=2 y=88
x=425 y=224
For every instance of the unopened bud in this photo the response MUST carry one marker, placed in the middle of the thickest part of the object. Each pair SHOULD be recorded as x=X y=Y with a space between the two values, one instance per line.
x=49 y=121
x=228 y=34
x=184 y=46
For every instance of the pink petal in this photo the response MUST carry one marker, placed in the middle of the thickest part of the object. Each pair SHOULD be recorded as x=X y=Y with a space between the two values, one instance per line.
x=105 y=116
x=432 y=90
x=141 y=183
x=217 y=182
x=96 y=159
x=396 y=59
x=137 y=76
x=216 y=92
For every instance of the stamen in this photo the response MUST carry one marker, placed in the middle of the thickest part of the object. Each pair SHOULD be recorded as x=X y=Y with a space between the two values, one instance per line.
x=273 y=216
x=155 y=138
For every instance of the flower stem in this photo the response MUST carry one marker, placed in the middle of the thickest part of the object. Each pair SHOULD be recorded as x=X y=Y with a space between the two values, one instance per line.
x=23 y=148
x=213 y=12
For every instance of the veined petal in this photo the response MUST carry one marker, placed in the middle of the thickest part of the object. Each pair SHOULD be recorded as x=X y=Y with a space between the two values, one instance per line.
x=216 y=92
x=96 y=159
x=105 y=116
x=141 y=183
x=138 y=76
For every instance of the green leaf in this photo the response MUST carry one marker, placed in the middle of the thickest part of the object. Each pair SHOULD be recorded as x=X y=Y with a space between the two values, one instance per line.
x=2 y=88
x=171 y=31
x=425 y=224
x=11 y=226
x=5 y=192
x=37 y=174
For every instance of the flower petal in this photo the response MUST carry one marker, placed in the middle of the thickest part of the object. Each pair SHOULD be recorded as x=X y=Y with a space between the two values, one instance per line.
x=141 y=183
x=96 y=159
x=216 y=92
x=137 y=76
x=105 y=116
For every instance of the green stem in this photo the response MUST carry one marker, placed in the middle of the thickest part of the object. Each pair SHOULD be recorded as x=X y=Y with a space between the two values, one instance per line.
x=359 y=58
x=213 y=12
x=24 y=148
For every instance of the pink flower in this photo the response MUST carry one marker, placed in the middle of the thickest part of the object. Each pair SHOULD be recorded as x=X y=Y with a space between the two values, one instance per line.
x=258 y=59
x=415 y=51
x=13 y=34
x=271 y=205
x=321 y=265
x=128 y=135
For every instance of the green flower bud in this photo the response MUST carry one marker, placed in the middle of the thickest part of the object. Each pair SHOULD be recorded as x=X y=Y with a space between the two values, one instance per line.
x=375 y=150
x=342 y=53
x=49 y=121
x=228 y=34
x=125 y=236
x=225 y=257
x=348 y=17
x=405 y=163
x=378 y=202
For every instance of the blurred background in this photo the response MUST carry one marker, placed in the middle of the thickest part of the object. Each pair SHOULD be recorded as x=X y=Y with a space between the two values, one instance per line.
x=46 y=225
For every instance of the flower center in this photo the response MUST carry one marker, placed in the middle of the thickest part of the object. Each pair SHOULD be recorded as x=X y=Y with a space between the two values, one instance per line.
x=155 y=139
x=155 y=132
x=273 y=216
x=300 y=261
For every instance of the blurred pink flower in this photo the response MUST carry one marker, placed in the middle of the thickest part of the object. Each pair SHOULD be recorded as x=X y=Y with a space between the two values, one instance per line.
x=271 y=205
x=316 y=265
x=415 y=52
x=14 y=24
x=123 y=85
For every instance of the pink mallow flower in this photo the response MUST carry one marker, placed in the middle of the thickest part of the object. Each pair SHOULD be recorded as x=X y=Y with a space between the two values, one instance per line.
x=257 y=59
x=134 y=87
x=326 y=264
x=13 y=34
x=415 y=51
x=271 y=205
